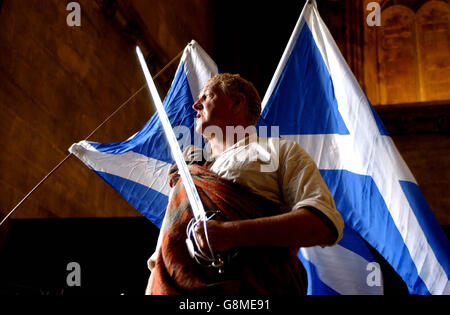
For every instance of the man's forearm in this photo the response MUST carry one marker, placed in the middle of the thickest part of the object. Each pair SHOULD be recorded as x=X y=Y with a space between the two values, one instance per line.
x=299 y=228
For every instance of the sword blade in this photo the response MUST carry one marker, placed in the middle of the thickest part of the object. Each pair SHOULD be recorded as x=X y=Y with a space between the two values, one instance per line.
x=191 y=191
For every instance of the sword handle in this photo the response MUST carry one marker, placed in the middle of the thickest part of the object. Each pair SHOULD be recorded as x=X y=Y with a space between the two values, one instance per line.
x=218 y=260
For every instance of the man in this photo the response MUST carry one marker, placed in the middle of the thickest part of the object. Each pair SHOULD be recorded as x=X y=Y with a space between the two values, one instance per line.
x=268 y=189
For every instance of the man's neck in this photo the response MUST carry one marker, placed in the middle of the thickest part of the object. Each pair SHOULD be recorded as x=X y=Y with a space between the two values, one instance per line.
x=234 y=135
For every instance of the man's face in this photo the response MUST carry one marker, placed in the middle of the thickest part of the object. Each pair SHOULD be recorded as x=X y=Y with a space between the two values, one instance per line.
x=213 y=108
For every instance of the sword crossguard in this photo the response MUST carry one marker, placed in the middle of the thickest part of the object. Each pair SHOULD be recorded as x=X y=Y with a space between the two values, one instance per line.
x=215 y=260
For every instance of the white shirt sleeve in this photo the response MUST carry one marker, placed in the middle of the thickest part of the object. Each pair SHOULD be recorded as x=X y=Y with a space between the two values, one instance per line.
x=303 y=186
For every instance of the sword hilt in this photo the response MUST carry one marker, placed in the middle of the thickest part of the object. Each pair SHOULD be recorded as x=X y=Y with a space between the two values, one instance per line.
x=215 y=260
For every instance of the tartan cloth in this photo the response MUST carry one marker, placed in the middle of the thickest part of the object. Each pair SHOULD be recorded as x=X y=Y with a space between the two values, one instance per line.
x=258 y=270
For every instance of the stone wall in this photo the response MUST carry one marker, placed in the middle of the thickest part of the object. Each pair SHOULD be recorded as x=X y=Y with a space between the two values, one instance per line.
x=58 y=83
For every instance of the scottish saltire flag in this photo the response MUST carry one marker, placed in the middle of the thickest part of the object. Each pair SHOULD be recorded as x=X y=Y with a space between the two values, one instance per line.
x=315 y=100
x=137 y=168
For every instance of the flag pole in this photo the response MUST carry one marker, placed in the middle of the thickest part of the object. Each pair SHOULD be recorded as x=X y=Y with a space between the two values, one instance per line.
x=90 y=135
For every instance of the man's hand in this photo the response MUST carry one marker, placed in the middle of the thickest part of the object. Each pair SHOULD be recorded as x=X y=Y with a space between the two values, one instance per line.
x=219 y=235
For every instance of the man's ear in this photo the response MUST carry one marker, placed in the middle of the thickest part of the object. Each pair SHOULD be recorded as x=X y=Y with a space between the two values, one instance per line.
x=240 y=103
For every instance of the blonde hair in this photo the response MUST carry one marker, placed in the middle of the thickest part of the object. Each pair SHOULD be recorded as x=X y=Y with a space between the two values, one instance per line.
x=234 y=84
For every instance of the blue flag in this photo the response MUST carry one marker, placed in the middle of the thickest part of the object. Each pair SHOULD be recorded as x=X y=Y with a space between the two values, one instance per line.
x=316 y=101
x=137 y=168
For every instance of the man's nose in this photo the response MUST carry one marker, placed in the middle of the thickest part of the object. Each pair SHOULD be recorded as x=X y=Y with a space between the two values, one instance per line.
x=197 y=105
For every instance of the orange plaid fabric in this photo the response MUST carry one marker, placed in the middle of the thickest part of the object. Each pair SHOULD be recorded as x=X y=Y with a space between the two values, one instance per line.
x=255 y=270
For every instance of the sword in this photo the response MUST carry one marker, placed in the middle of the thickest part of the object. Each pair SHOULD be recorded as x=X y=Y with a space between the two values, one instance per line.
x=198 y=211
